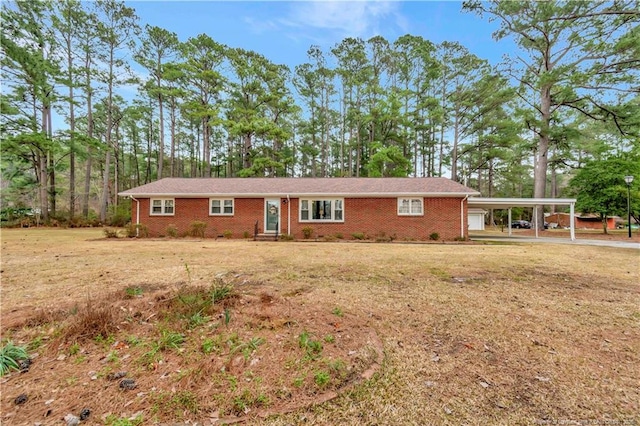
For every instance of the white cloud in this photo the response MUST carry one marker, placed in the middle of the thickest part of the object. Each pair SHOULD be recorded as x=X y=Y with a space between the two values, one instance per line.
x=259 y=26
x=346 y=18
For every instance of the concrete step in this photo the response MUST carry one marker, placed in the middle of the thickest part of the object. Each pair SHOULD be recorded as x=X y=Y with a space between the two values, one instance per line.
x=265 y=237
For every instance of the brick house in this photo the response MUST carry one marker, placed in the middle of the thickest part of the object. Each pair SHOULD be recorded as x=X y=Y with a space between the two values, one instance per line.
x=582 y=221
x=399 y=208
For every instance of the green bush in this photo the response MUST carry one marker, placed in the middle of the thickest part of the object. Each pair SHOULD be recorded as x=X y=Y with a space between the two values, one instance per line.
x=197 y=228
x=227 y=233
x=434 y=236
x=358 y=235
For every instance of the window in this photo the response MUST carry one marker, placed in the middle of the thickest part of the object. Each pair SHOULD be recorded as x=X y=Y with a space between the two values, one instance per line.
x=162 y=207
x=221 y=207
x=409 y=206
x=324 y=210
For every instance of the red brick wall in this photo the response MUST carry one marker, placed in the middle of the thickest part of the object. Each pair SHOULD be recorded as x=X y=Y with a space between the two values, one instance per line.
x=374 y=217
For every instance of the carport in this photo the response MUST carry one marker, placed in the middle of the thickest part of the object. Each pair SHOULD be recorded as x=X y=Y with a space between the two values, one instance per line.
x=509 y=203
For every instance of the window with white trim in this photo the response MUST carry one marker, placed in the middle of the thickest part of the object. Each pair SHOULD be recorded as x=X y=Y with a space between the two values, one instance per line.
x=221 y=206
x=322 y=210
x=162 y=207
x=410 y=207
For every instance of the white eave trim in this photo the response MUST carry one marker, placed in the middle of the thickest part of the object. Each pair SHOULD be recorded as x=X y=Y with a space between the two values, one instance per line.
x=306 y=195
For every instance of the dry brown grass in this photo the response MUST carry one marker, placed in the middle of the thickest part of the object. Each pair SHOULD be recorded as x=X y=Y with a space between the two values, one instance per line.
x=472 y=334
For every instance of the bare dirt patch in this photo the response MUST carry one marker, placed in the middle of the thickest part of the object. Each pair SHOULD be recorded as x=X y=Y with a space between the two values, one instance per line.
x=506 y=334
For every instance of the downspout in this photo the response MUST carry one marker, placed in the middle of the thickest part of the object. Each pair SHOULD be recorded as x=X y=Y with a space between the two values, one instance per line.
x=288 y=215
x=462 y=215
x=137 y=215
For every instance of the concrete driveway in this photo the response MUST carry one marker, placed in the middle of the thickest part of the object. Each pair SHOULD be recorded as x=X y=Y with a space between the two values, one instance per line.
x=555 y=240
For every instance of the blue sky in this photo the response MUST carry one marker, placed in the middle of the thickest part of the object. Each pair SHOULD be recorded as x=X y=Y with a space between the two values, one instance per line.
x=283 y=31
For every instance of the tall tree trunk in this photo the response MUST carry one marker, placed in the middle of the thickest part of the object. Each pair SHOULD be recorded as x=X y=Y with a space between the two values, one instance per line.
x=454 y=150
x=541 y=161
x=51 y=161
x=160 y=138
x=246 y=151
x=206 y=148
x=87 y=178
x=107 y=166
x=44 y=194
x=72 y=130
x=173 y=137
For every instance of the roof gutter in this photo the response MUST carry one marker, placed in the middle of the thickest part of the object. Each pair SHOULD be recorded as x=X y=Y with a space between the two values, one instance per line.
x=303 y=195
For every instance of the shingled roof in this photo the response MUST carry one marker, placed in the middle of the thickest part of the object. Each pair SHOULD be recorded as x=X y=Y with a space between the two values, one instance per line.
x=296 y=187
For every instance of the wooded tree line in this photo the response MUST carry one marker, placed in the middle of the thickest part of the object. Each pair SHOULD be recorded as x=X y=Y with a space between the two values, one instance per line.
x=94 y=102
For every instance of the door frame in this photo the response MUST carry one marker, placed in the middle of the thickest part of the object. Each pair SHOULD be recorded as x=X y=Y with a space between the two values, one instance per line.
x=275 y=201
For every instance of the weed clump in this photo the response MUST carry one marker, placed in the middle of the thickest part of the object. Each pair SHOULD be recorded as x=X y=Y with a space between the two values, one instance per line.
x=172 y=231
x=10 y=357
x=137 y=230
x=92 y=322
x=197 y=228
x=307 y=232
x=111 y=233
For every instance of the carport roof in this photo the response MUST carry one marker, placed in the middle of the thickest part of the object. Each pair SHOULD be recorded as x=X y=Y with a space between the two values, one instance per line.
x=505 y=203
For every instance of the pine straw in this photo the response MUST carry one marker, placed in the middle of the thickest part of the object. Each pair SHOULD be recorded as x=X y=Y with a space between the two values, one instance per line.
x=472 y=334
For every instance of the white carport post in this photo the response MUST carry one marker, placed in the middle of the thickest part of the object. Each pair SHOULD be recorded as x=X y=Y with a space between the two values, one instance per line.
x=535 y=217
x=572 y=221
x=509 y=221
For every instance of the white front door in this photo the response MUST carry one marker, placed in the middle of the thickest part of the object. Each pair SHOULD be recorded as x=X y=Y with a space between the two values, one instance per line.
x=271 y=216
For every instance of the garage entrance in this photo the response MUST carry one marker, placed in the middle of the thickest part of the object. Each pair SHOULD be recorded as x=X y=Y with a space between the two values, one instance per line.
x=535 y=203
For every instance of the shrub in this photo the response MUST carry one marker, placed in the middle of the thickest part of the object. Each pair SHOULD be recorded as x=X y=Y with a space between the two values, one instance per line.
x=246 y=234
x=227 y=233
x=459 y=238
x=110 y=233
x=286 y=237
x=358 y=235
x=307 y=232
x=172 y=231
x=138 y=230
x=196 y=229
x=434 y=236
x=339 y=235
